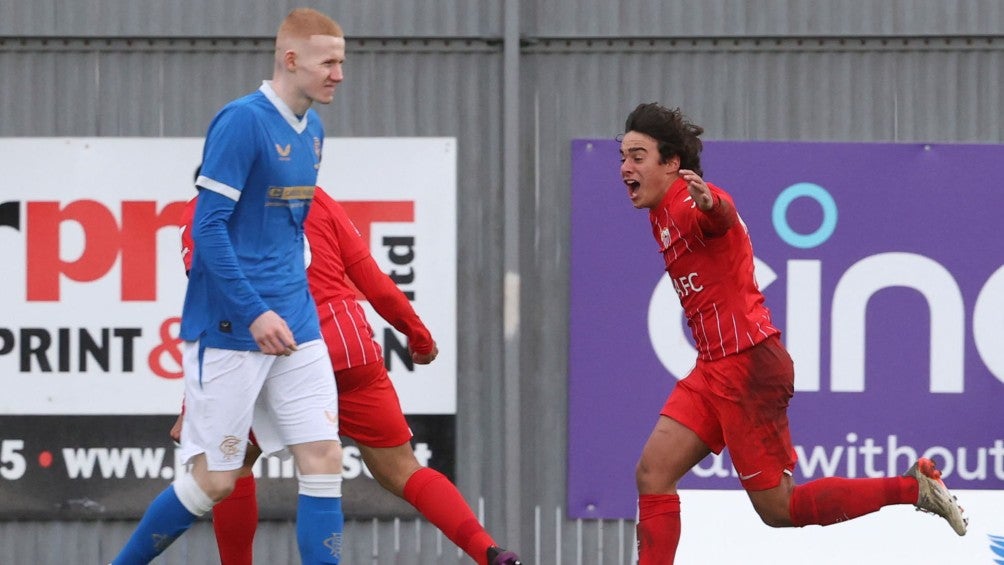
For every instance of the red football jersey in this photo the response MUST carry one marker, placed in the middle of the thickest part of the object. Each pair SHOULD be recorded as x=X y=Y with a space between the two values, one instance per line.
x=711 y=271
x=335 y=245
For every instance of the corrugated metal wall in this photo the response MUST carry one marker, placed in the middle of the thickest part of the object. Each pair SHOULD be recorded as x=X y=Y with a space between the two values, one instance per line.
x=767 y=18
x=243 y=18
x=849 y=70
x=474 y=18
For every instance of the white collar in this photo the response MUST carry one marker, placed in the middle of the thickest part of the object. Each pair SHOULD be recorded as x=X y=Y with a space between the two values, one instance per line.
x=298 y=124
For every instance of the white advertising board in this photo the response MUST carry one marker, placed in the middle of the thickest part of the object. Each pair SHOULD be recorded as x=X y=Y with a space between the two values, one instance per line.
x=93 y=283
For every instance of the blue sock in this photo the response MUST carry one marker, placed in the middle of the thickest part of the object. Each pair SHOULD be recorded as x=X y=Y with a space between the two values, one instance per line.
x=319 y=523
x=165 y=519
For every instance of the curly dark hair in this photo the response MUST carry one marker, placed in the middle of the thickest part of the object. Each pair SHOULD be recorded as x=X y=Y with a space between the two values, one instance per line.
x=675 y=134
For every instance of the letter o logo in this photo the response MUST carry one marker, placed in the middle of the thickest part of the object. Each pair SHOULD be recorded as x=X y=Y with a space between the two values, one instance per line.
x=780 y=211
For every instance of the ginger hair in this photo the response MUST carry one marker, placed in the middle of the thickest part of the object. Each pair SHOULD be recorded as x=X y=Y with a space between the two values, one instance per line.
x=302 y=23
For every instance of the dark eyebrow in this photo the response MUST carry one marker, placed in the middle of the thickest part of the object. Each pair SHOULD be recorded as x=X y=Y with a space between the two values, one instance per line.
x=633 y=150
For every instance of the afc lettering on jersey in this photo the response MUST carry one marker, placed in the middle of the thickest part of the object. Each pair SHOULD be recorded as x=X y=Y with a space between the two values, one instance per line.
x=686 y=284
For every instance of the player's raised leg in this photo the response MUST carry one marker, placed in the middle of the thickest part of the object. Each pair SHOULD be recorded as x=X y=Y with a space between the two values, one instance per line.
x=933 y=496
x=437 y=498
x=832 y=500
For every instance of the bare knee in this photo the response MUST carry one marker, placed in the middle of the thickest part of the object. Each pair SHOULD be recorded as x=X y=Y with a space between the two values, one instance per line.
x=671 y=450
x=652 y=479
x=773 y=505
x=318 y=457
x=391 y=467
x=775 y=518
x=393 y=478
x=217 y=485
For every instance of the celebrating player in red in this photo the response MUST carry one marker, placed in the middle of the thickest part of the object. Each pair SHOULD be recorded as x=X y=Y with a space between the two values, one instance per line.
x=737 y=394
x=368 y=407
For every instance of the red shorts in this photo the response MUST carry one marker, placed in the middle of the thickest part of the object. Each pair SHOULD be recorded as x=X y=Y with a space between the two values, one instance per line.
x=741 y=401
x=368 y=408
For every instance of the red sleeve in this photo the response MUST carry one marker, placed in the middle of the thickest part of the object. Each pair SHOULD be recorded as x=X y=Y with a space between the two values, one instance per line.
x=187 y=243
x=720 y=217
x=392 y=305
x=350 y=244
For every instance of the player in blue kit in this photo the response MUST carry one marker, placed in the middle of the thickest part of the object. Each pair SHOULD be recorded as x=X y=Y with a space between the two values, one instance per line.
x=253 y=350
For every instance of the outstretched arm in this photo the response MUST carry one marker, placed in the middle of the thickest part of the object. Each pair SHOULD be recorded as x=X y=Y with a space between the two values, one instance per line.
x=393 y=306
x=718 y=213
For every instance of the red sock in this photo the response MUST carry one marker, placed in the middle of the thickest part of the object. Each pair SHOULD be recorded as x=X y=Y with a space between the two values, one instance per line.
x=235 y=519
x=658 y=528
x=442 y=504
x=834 y=499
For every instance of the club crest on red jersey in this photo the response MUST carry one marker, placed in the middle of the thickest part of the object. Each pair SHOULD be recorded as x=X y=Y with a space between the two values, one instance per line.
x=664 y=236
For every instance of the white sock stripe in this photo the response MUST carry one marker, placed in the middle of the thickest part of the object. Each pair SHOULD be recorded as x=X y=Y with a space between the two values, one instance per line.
x=321 y=486
x=191 y=496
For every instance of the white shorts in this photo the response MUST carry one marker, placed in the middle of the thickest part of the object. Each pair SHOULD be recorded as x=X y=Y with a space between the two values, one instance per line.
x=288 y=400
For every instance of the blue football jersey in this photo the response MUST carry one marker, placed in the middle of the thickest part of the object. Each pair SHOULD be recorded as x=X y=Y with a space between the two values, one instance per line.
x=259 y=170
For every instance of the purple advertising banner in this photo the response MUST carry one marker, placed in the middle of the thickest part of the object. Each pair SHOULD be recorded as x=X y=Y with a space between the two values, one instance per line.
x=881 y=264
